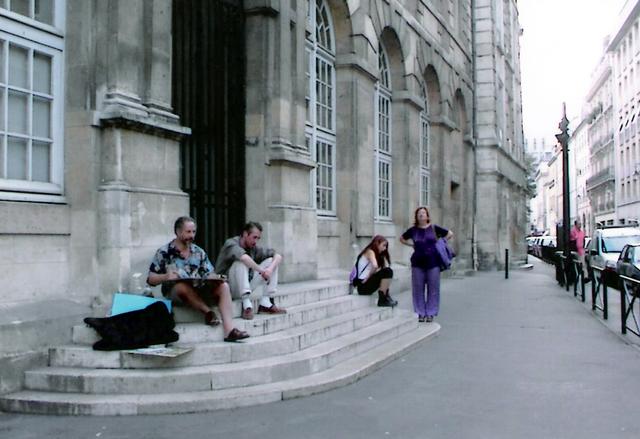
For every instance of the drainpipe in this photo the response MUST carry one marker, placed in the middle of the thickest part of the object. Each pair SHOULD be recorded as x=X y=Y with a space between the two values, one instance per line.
x=474 y=243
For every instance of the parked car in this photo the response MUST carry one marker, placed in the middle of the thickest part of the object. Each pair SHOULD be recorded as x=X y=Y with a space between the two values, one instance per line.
x=530 y=240
x=605 y=247
x=629 y=264
x=548 y=246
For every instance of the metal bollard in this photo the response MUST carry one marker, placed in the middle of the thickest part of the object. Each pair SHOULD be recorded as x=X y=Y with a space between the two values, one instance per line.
x=506 y=263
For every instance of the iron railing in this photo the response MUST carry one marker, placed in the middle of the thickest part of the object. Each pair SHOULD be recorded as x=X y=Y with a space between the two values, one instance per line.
x=599 y=298
x=629 y=292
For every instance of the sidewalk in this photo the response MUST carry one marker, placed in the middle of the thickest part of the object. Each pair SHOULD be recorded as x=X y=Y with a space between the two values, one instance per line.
x=516 y=358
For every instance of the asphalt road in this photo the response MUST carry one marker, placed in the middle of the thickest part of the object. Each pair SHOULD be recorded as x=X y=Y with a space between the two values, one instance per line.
x=516 y=358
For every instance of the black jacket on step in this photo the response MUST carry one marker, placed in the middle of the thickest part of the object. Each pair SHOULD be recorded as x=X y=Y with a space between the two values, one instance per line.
x=134 y=329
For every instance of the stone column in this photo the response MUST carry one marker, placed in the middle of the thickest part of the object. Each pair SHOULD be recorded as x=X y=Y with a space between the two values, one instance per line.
x=138 y=194
x=278 y=163
x=123 y=49
x=157 y=68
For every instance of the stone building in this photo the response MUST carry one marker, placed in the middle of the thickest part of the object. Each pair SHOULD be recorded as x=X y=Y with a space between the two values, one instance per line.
x=623 y=53
x=601 y=182
x=501 y=203
x=328 y=121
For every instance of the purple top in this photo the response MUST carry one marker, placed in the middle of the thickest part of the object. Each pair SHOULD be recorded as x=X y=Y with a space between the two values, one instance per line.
x=424 y=245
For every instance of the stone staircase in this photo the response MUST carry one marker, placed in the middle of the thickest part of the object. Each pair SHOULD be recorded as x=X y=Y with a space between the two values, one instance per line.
x=327 y=339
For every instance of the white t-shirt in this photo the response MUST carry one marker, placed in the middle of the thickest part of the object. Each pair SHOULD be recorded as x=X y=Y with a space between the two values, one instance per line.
x=364 y=267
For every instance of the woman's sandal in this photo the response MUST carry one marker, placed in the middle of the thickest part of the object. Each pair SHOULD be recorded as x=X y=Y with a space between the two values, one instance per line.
x=235 y=335
x=211 y=319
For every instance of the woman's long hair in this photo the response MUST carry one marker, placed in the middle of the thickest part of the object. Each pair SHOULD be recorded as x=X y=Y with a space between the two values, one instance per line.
x=415 y=215
x=380 y=256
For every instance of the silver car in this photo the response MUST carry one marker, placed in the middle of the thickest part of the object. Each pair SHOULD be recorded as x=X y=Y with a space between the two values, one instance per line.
x=605 y=247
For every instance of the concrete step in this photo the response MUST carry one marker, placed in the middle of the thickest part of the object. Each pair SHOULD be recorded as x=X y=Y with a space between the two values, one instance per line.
x=217 y=352
x=27 y=330
x=288 y=295
x=337 y=375
x=221 y=376
x=262 y=324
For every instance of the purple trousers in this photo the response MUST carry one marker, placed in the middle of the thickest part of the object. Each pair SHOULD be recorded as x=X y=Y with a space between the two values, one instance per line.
x=431 y=278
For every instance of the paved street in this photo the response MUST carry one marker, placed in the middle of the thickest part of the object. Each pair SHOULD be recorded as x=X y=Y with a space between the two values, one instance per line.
x=517 y=358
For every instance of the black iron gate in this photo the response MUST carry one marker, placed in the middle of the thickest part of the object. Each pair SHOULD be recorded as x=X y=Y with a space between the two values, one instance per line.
x=209 y=96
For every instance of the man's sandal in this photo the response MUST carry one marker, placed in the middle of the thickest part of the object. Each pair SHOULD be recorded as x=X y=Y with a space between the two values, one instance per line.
x=211 y=319
x=235 y=335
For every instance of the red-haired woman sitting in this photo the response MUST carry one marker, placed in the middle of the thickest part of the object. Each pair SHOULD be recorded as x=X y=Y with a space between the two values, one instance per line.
x=374 y=271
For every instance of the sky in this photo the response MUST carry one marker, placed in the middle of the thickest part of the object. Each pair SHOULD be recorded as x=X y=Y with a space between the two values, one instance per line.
x=560 y=47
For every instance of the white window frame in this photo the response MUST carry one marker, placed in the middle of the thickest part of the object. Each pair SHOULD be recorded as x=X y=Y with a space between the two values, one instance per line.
x=425 y=150
x=383 y=149
x=47 y=39
x=316 y=134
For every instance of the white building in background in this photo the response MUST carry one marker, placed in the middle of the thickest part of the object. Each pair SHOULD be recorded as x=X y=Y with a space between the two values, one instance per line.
x=538 y=205
x=600 y=183
x=539 y=149
x=578 y=166
x=624 y=50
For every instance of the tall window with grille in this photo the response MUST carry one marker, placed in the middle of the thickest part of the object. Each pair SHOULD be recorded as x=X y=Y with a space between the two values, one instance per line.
x=320 y=105
x=424 y=152
x=31 y=99
x=383 y=150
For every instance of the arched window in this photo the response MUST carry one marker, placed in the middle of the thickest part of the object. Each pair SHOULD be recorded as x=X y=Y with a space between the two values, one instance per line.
x=320 y=105
x=383 y=138
x=424 y=150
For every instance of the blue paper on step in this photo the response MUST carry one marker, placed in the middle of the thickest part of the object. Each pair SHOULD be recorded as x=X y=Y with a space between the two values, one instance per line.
x=123 y=302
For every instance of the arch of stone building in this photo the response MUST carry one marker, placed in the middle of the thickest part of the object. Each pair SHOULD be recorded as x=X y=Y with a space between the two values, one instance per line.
x=433 y=65
x=395 y=34
x=389 y=40
x=460 y=111
x=434 y=94
x=342 y=25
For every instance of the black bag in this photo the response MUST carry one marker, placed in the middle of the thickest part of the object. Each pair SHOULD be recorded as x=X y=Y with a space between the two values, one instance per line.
x=134 y=329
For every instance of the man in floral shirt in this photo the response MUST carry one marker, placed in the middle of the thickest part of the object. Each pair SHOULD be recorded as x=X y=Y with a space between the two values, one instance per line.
x=182 y=259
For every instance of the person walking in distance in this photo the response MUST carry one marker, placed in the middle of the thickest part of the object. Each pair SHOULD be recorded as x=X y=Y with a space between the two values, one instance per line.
x=425 y=263
x=576 y=242
x=374 y=272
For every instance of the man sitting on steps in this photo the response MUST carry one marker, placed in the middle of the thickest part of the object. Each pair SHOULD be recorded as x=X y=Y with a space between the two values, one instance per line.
x=182 y=259
x=250 y=268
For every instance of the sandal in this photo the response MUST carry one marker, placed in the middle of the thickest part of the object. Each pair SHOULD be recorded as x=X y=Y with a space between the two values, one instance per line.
x=211 y=319
x=235 y=335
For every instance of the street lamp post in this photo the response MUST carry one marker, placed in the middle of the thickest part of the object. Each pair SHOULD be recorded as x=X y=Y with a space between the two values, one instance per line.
x=563 y=139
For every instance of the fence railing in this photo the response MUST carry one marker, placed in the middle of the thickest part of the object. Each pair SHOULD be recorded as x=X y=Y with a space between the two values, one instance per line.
x=598 y=296
x=571 y=271
x=629 y=292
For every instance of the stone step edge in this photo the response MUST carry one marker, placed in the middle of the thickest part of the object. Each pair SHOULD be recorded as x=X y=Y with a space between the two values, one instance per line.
x=356 y=341
x=344 y=373
x=339 y=287
x=285 y=334
x=260 y=320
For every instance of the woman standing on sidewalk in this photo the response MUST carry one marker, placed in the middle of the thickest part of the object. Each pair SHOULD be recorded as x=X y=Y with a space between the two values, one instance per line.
x=425 y=263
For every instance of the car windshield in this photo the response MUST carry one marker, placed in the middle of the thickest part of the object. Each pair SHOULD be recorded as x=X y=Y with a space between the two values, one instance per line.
x=615 y=243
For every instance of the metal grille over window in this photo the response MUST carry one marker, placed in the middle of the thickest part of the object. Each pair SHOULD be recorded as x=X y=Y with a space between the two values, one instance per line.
x=320 y=105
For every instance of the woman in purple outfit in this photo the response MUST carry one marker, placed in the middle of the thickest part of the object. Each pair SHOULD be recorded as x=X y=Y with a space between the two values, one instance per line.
x=425 y=263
